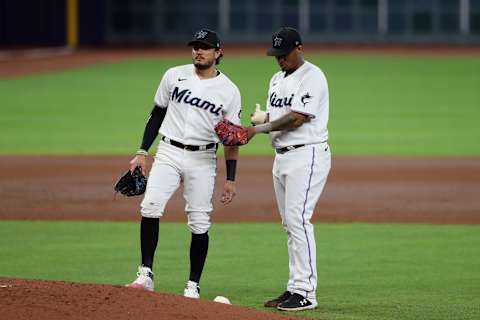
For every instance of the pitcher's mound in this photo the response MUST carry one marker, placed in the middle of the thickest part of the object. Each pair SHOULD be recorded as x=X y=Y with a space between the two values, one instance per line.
x=38 y=299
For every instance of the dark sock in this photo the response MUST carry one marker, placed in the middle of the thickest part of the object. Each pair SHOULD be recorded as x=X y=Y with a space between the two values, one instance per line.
x=198 y=255
x=148 y=240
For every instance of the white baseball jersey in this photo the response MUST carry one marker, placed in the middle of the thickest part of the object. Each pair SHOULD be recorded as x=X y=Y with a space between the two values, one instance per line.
x=304 y=91
x=196 y=105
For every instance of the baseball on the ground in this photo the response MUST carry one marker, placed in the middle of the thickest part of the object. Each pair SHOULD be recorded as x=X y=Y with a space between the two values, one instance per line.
x=221 y=299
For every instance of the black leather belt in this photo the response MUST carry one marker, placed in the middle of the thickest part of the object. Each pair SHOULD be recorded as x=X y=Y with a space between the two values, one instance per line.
x=189 y=147
x=289 y=148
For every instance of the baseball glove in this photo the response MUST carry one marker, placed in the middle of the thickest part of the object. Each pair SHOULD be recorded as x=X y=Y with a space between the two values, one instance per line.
x=231 y=134
x=131 y=183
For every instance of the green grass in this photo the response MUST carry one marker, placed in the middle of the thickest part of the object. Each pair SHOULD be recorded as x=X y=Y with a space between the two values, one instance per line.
x=380 y=105
x=365 y=271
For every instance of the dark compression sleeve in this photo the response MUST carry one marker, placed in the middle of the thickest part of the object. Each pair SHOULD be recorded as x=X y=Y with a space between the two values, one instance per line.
x=231 y=169
x=153 y=124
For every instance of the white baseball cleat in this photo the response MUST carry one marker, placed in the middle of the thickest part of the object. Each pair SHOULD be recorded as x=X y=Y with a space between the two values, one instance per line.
x=192 y=290
x=144 y=279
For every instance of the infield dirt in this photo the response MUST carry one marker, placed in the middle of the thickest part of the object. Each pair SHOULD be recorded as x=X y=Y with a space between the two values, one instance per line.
x=17 y=63
x=378 y=190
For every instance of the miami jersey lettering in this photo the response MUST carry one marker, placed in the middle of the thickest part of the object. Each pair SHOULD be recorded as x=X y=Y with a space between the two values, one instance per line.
x=279 y=102
x=196 y=105
x=185 y=97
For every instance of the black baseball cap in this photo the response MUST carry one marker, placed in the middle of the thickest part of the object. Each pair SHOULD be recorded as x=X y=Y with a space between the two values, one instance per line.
x=207 y=37
x=284 y=41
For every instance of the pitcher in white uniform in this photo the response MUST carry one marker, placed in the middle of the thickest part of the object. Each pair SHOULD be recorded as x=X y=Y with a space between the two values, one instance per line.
x=189 y=101
x=296 y=119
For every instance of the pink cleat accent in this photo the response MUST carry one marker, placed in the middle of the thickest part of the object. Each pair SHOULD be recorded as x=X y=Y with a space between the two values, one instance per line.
x=144 y=279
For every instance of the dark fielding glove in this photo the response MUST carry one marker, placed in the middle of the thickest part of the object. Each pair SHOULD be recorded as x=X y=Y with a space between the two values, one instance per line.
x=230 y=134
x=131 y=184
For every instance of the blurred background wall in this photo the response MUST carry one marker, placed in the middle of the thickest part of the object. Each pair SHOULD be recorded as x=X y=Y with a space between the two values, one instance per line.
x=167 y=22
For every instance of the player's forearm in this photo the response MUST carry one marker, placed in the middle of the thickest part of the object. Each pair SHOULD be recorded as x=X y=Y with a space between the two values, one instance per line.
x=231 y=152
x=289 y=121
x=153 y=125
x=231 y=156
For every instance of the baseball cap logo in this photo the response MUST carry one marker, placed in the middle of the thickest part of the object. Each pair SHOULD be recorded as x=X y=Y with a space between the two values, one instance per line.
x=277 y=42
x=201 y=34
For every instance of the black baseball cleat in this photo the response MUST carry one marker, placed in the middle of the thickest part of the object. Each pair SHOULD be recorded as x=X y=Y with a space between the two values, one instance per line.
x=275 y=302
x=296 y=302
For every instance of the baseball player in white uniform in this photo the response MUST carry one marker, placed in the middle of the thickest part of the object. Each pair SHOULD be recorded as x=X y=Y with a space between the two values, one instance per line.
x=296 y=119
x=189 y=101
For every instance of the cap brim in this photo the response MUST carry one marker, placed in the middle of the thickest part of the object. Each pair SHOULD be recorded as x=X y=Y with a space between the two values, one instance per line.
x=193 y=42
x=279 y=52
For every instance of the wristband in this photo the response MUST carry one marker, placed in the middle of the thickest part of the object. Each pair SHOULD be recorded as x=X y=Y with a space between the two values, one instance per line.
x=231 y=169
x=141 y=152
x=266 y=127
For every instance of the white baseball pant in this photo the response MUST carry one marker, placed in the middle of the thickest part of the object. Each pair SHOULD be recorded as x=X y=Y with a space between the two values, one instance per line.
x=197 y=171
x=299 y=177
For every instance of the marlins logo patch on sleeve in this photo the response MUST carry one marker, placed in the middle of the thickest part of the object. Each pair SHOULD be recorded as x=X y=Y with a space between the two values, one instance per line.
x=305 y=99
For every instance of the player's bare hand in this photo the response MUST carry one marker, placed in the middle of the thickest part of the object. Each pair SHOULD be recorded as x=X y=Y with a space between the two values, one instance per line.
x=229 y=192
x=139 y=161
x=259 y=116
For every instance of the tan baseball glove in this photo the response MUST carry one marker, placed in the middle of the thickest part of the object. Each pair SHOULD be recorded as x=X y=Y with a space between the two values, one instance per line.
x=259 y=116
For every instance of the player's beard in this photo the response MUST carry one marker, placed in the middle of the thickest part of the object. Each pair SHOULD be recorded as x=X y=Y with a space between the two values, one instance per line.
x=203 y=62
x=205 y=65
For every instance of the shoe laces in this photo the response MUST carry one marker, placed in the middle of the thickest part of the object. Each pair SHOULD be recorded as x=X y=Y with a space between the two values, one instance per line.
x=145 y=272
x=192 y=286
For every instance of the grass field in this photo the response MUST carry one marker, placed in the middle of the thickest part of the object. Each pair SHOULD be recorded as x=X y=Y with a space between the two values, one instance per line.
x=365 y=271
x=380 y=105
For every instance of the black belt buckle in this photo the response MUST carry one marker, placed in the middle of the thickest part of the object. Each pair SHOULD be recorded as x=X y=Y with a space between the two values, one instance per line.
x=196 y=148
x=190 y=148
x=289 y=148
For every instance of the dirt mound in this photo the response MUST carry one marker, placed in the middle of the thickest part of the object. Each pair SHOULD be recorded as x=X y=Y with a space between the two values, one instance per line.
x=37 y=299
